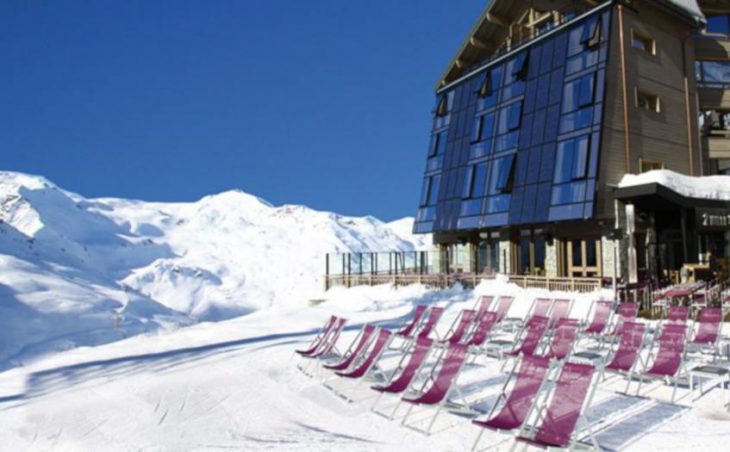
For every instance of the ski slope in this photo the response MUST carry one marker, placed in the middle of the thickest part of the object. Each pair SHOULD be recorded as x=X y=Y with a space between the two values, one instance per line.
x=77 y=271
x=234 y=385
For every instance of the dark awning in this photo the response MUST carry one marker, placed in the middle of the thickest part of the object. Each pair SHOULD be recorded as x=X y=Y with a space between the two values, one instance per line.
x=654 y=196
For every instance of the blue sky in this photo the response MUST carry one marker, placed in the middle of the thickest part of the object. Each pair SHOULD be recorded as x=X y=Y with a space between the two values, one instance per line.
x=320 y=102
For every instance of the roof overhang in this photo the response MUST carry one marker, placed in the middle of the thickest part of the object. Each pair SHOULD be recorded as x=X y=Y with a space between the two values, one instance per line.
x=655 y=196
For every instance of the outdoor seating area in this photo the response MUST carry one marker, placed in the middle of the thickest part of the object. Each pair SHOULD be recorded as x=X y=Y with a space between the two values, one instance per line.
x=531 y=378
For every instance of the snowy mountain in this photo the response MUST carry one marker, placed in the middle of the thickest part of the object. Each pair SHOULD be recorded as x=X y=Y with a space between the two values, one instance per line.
x=82 y=271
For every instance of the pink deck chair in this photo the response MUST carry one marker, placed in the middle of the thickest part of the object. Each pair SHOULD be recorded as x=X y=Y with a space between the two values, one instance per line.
x=503 y=304
x=429 y=324
x=678 y=314
x=540 y=307
x=526 y=382
x=368 y=359
x=601 y=316
x=627 y=312
x=531 y=336
x=708 y=331
x=561 y=344
x=317 y=341
x=461 y=327
x=669 y=358
x=358 y=344
x=483 y=303
x=629 y=346
x=409 y=328
x=328 y=342
x=560 y=310
x=559 y=412
x=441 y=385
x=484 y=326
x=404 y=373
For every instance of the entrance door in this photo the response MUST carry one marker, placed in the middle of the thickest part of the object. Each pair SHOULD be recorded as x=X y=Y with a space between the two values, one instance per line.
x=582 y=258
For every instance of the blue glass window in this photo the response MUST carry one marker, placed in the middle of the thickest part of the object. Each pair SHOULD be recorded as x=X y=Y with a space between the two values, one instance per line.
x=591 y=32
x=471 y=207
x=510 y=117
x=571 y=159
x=500 y=181
x=569 y=193
x=430 y=190
x=482 y=128
x=578 y=93
x=579 y=119
x=475 y=181
x=438 y=143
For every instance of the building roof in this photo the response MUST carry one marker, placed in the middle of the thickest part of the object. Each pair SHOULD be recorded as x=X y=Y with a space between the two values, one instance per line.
x=491 y=28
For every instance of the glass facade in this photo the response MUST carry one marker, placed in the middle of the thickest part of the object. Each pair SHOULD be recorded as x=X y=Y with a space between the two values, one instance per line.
x=517 y=143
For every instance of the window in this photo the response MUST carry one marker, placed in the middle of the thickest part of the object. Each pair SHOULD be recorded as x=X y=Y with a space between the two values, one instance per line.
x=647 y=101
x=502 y=176
x=443 y=107
x=430 y=190
x=591 y=35
x=521 y=67
x=571 y=160
x=486 y=89
x=510 y=117
x=643 y=42
x=482 y=128
x=438 y=144
x=578 y=93
x=649 y=165
x=595 y=39
x=474 y=182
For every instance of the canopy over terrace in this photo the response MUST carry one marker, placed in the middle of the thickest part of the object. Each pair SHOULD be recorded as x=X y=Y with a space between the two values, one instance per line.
x=674 y=220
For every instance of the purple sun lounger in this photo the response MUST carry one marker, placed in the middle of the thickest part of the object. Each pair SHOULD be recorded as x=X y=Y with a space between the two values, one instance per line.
x=460 y=327
x=358 y=344
x=408 y=367
x=504 y=302
x=409 y=328
x=540 y=307
x=601 y=316
x=483 y=303
x=563 y=339
x=708 y=334
x=525 y=383
x=317 y=341
x=557 y=417
x=367 y=360
x=560 y=310
x=484 y=325
x=629 y=348
x=678 y=314
x=531 y=336
x=327 y=347
x=441 y=385
x=669 y=360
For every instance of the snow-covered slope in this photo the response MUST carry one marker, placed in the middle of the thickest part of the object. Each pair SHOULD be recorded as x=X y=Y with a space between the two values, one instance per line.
x=76 y=270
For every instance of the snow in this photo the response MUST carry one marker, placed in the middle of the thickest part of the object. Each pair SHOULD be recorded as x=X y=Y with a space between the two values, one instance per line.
x=704 y=187
x=77 y=271
x=234 y=385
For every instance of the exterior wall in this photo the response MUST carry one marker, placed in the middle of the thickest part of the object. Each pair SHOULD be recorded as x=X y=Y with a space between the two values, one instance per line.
x=662 y=136
x=465 y=187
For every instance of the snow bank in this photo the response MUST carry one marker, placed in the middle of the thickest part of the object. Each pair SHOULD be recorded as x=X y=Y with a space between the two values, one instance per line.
x=705 y=187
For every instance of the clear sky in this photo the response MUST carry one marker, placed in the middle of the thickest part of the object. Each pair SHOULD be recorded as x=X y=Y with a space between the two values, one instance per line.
x=319 y=102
